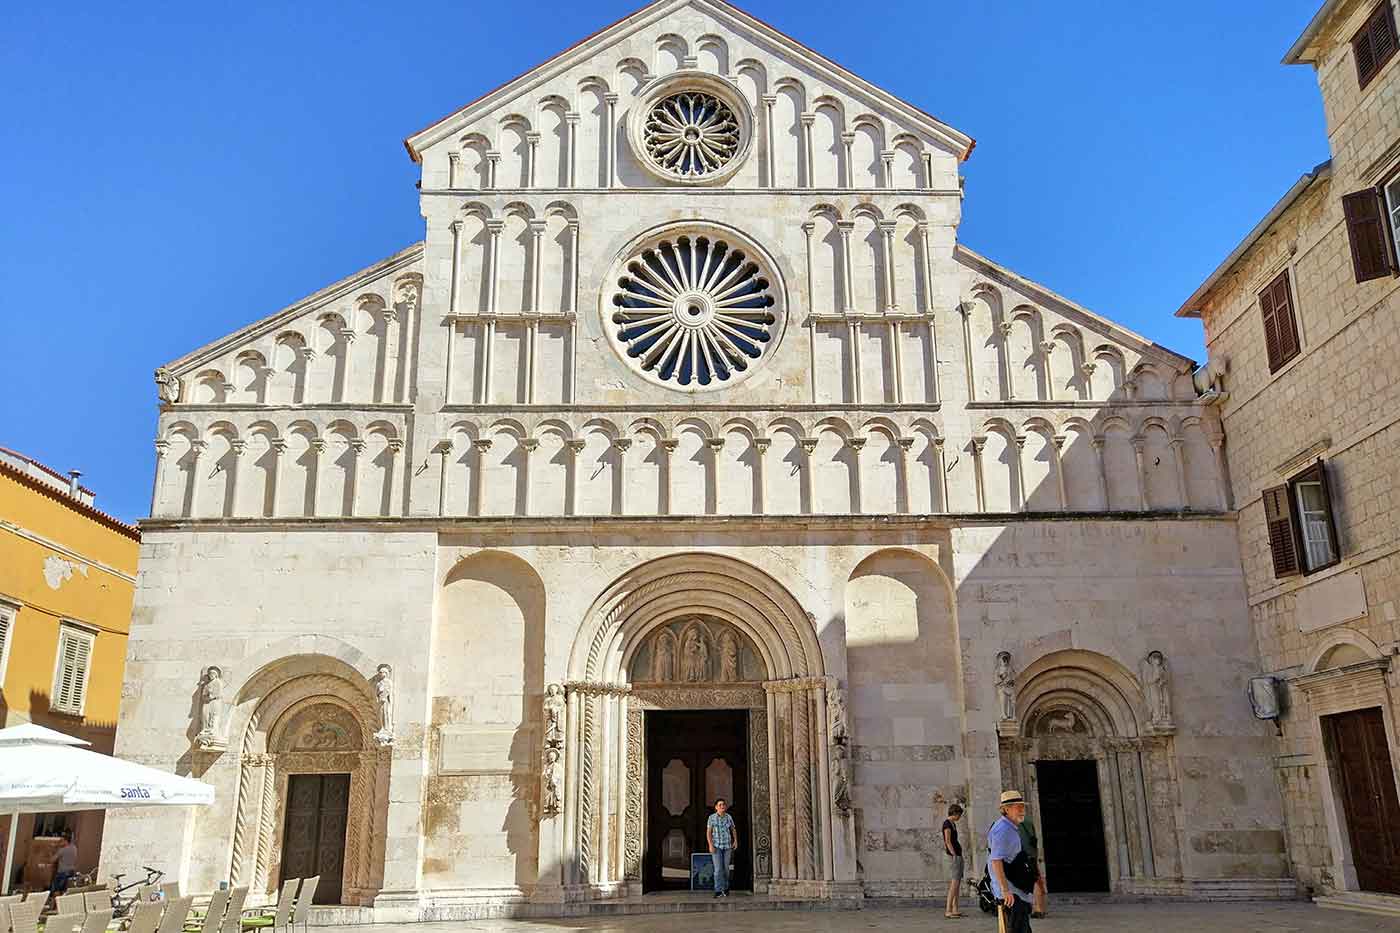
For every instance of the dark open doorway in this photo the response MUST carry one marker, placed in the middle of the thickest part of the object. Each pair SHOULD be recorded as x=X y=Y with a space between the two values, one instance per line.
x=694 y=757
x=1071 y=820
x=1360 y=758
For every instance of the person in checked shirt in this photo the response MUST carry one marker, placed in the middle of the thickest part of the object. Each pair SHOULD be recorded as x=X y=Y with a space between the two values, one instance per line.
x=723 y=839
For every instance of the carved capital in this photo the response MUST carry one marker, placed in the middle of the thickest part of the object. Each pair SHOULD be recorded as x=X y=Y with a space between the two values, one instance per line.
x=532 y=137
x=856 y=443
x=807 y=118
x=622 y=443
x=572 y=117
x=586 y=688
x=714 y=443
x=761 y=444
x=279 y=446
x=395 y=445
x=808 y=444
x=318 y=444
x=454 y=157
x=537 y=226
x=1098 y=441
x=162 y=447
x=1020 y=441
x=238 y=445
x=308 y=353
x=611 y=99
x=668 y=444
x=576 y=445
x=197 y=447
x=848 y=138
x=443 y=447
x=794 y=684
x=357 y=445
x=979 y=441
x=455 y=227
x=495 y=226
x=808 y=227
x=1059 y=441
x=1139 y=443
x=888 y=227
x=1088 y=368
x=1005 y=328
x=482 y=444
x=347 y=335
x=769 y=99
x=530 y=444
x=906 y=444
x=1047 y=347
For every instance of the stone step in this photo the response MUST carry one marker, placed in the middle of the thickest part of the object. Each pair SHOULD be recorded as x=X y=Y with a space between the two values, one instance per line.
x=1385 y=905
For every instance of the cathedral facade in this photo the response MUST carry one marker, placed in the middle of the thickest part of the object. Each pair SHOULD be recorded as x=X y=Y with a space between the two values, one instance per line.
x=690 y=455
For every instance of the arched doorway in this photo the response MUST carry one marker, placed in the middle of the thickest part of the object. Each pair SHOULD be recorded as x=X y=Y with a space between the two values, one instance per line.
x=312 y=781
x=694 y=632
x=1098 y=785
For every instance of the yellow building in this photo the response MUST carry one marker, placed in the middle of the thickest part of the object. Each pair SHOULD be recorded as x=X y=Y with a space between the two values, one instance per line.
x=67 y=577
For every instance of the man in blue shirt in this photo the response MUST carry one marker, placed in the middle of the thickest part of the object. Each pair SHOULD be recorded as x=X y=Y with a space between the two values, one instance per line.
x=1004 y=840
x=723 y=839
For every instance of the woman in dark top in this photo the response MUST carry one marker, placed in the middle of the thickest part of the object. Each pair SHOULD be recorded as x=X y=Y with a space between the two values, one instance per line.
x=953 y=849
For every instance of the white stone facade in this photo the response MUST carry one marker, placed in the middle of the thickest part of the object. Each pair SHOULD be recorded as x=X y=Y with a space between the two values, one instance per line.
x=874 y=461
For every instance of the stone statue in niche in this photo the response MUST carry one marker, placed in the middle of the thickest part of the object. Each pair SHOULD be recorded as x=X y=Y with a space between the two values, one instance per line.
x=1156 y=684
x=554 y=716
x=837 y=717
x=384 y=694
x=841 y=778
x=167 y=386
x=728 y=657
x=211 y=695
x=1006 y=686
x=695 y=658
x=663 y=659
x=549 y=782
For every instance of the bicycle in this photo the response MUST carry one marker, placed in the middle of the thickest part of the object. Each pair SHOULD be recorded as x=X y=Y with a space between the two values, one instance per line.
x=122 y=904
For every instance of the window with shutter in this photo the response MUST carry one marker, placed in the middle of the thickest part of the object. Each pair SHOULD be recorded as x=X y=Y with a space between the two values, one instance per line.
x=1280 y=326
x=1365 y=216
x=1278 y=519
x=1374 y=43
x=1311 y=500
x=7 y=629
x=70 y=677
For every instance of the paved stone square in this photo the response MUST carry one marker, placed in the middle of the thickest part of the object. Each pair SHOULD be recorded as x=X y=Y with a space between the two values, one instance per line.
x=1274 y=916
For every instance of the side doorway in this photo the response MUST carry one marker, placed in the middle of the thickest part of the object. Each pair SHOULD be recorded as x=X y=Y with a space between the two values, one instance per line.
x=1071 y=819
x=313 y=840
x=1360 y=759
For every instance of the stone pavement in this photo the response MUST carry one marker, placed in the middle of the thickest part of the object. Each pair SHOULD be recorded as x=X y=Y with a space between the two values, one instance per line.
x=1271 y=916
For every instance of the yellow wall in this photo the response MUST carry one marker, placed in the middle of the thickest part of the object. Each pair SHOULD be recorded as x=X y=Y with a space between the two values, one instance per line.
x=92 y=567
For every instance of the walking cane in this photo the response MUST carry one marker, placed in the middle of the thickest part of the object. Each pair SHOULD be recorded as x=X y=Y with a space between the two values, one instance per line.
x=1001 y=917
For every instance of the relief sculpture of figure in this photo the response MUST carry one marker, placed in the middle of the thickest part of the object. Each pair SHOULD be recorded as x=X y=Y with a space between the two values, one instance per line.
x=549 y=783
x=1006 y=686
x=695 y=663
x=728 y=657
x=384 y=693
x=663 y=659
x=1155 y=683
x=841 y=778
x=211 y=694
x=838 y=719
x=554 y=716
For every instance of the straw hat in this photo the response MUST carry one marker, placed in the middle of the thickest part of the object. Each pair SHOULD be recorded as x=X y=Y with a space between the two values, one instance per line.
x=1009 y=797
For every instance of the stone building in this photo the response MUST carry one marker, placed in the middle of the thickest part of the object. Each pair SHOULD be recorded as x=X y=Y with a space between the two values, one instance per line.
x=688 y=455
x=1302 y=330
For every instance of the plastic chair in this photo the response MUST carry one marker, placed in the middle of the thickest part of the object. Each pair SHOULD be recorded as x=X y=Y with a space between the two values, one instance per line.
x=24 y=916
x=236 y=898
x=96 y=921
x=101 y=899
x=144 y=917
x=282 y=917
x=213 y=914
x=70 y=904
x=308 y=893
x=64 y=923
x=177 y=911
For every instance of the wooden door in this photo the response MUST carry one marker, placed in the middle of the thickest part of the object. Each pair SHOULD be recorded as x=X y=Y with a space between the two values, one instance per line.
x=693 y=758
x=313 y=841
x=1071 y=819
x=1360 y=758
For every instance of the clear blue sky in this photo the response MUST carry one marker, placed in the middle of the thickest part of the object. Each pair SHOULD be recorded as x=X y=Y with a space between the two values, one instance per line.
x=174 y=171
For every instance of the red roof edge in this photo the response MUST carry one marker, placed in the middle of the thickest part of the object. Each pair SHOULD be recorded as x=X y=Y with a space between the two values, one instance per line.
x=97 y=515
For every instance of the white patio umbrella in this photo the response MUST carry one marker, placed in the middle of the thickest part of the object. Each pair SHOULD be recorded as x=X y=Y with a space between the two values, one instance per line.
x=43 y=771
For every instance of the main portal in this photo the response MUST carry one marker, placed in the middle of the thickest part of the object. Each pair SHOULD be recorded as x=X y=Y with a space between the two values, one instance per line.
x=694 y=757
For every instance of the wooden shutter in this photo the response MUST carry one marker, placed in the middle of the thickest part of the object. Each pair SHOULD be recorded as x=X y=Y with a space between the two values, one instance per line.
x=1280 y=325
x=70 y=680
x=1278 y=519
x=1374 y=43
x=7 y=624
x=1366 y=229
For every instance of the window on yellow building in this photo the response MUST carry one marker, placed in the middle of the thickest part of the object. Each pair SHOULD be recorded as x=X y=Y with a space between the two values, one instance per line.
x=8 y=612
x=70 y=675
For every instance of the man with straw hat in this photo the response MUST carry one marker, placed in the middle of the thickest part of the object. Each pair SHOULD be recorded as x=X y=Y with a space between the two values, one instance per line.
x=1011 y=871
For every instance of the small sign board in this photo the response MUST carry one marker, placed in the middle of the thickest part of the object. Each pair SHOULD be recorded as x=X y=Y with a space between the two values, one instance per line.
x=702 y=871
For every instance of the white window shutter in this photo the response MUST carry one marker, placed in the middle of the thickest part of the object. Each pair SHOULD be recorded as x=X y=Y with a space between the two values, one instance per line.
x=70 y=679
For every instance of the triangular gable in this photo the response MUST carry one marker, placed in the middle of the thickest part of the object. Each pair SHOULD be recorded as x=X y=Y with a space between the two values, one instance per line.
x=1071 y=310
x=398 y=262
x=736 y=19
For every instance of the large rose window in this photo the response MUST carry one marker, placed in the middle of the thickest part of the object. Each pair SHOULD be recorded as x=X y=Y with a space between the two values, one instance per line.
x=691 y=134
x=694 y=311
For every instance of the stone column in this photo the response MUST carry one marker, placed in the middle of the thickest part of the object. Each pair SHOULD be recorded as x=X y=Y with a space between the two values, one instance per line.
x=318 y=447
x=808 y=444
x=621 y=445
x=966 y=311
x=760 y=446
x=480 y=447
x=611 y=148
x=887 y=231
x=1222 y=472
x=454 y=160
x=454 y=301
x=279 y=447
x=847 y=294
x=529 y=445
x=443 y=449
x=575 y=448
x=197 y=448
x=1098 y=442
x=887 y=163
x=978 y=443
x=1180 y=460
x=895 y=333
x=853 y=331
x=848 y=176
x=387 y=390
x=942 y=474
x=856 y=444
x=807 y=120
x=348 y=335
x=768 y=101
x=1139 y=453
x=237 y=446
x=392 y=473
x=669 y=445
x=1021 y=471
x=905 y=444
x=352 y=481
x=493 y=161
x=299 y=395
x=1008 y=384
x=571 y=119
x=573 y=767
x=715 y=444
x=1056 y=450
x=158 y=508
x=807 y=229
